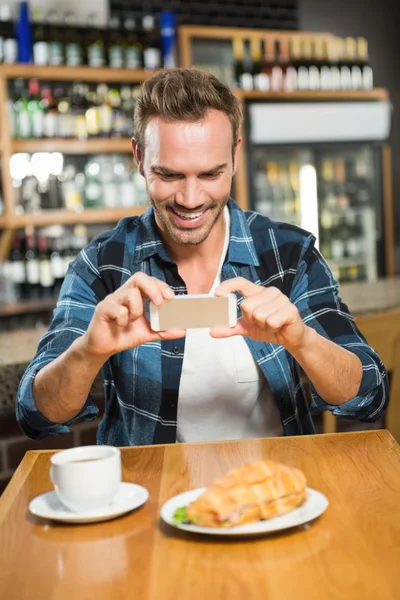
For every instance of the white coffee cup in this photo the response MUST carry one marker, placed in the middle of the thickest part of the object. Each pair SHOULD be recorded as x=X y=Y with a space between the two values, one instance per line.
x=86 y=477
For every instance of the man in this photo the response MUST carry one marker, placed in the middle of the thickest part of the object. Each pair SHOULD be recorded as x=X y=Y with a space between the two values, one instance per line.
x=198 y=385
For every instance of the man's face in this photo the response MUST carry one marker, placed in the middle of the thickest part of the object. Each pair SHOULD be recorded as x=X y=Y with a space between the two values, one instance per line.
x=188 y=168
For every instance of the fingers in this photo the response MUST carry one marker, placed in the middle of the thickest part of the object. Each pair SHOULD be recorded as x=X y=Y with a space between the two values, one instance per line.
x=273 y=318
x=170 y=335
x=240 y=328
x=238 y=284
x=258 y=309
x=149 y=287
x=122 y=306
x=114 y=311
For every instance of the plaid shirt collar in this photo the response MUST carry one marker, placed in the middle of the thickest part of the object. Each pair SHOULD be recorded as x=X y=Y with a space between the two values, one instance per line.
x=241 y=245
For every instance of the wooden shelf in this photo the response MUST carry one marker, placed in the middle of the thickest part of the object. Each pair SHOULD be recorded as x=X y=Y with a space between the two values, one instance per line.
x=64 y=217
x=25 y=307
x=228 y=33
x=340 y=95
x=92 y=74
x=74 y=146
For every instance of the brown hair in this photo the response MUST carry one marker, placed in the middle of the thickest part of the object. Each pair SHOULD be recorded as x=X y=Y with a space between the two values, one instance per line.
x=184 y=95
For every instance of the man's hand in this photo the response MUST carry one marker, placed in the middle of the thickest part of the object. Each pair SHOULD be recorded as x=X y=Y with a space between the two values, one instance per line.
x=119 y=321
x=268 y=315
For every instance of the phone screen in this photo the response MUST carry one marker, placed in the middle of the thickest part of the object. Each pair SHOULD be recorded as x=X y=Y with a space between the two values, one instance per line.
x=184 y=312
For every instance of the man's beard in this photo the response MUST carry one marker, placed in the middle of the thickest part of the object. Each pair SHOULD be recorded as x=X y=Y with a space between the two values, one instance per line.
x=189 y=237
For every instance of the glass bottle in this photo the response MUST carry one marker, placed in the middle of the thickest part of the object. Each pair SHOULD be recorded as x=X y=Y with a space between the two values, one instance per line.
x=95 y=48
x=133 y=47
x=151 y=47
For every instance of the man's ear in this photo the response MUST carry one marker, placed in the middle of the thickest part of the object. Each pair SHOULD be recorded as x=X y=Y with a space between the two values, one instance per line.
x=138 y=156
x=236 y=153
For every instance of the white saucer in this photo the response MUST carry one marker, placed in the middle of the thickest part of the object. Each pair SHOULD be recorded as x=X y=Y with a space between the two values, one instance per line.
x=128 y=497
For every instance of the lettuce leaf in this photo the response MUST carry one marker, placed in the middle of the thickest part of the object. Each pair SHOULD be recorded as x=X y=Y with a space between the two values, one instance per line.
x=180 y=516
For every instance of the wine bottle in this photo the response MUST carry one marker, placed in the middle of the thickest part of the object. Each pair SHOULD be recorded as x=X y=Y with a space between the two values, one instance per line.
x=35 y=109
x=66 y=124
x=151 y=46
x=50 y=113
x=23 y=129
x=104 y=111
x=333 y=48
x=95 y=49
x=24 y=34
x=56 y=48
x=260 y=80
x=127 y=107
x=363 y=63
x=17 y=267
x=57 y=264
x=41 y=53
x=72 y=41
x=288 y=69
x=32 y=266
x=115 y=44
x=118 y=116
x=238 y=57
x=314 y=62
x=45 y=273
x=8 y=43
x=303 y=78
x=351 y=57
x=344 y=66
x=133 y=47
x=78 y=111
x=276 y=78
x=168 y=39
x=92 y=115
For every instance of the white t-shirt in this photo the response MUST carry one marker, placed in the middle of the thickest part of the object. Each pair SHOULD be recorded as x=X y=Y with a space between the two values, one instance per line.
x=223 y=394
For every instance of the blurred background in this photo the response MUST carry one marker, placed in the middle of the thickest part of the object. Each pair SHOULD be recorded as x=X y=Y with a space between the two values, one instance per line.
x=320 y=89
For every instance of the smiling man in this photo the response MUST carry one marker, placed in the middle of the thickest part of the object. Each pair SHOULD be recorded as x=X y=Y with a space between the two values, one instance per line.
x=198 y=385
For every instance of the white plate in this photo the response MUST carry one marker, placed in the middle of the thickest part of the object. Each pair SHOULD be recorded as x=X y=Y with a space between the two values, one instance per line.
x=128 y=497
x=312 y=508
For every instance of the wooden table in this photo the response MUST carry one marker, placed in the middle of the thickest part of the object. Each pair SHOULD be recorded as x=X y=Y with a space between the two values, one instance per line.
x=351 y=552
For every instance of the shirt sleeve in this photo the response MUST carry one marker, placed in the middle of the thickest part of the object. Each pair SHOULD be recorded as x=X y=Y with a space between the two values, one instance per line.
x=71 y=317
x=316 y=295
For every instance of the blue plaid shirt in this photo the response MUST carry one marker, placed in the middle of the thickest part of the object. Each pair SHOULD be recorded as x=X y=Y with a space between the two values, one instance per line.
x=142 y=384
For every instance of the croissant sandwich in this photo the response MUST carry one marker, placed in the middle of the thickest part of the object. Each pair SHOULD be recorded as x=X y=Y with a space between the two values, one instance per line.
x=257 y=491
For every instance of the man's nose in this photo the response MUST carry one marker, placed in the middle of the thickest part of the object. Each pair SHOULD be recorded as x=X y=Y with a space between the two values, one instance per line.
x=190 y=194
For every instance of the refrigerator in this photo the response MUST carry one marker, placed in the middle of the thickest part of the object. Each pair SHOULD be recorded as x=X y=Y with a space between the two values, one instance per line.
x=318 y=165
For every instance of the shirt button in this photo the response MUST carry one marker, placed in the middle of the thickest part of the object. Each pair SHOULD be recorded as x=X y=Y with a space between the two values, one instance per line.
x=177 y=350
x=172 y=404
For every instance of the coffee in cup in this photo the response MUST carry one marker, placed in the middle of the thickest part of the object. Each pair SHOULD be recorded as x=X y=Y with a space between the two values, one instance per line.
x=86 y=477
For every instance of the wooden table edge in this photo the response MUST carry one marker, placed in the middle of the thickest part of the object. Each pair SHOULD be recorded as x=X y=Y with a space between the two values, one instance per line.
x=287 y=437
x=27 y=463
x=18 y=479
x=389 y=442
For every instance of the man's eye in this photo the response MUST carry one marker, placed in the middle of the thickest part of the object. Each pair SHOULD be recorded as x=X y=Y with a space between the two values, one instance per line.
x=211 y=175
x=168 y=177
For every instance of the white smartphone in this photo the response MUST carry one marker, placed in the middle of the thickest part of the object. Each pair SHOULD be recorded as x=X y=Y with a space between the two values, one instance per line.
x=193 y=312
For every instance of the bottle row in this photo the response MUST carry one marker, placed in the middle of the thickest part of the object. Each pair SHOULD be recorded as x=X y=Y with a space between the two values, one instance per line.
x=50 y=181
x=39 y=262
x=60 y=40
x=42 y=110
x=302 y=63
